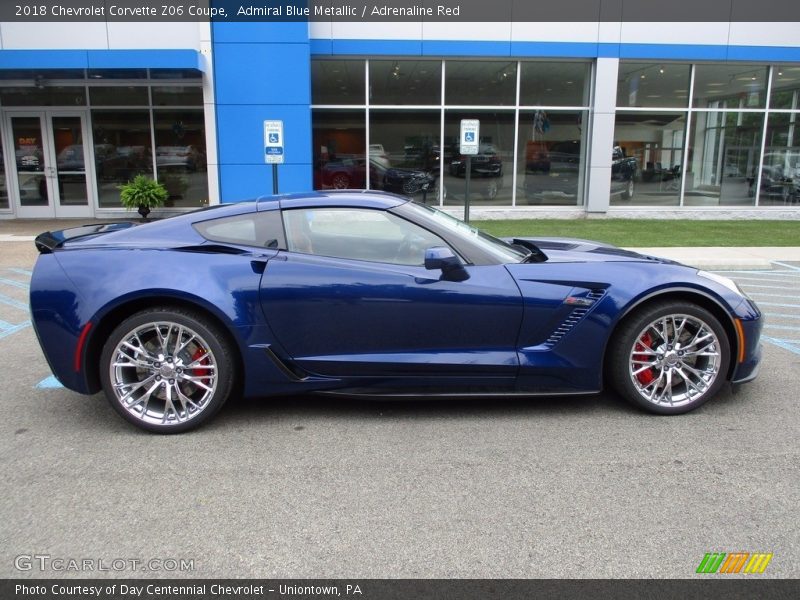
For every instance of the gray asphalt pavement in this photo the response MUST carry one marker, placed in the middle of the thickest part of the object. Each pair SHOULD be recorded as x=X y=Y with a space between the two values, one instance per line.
x=304 y=487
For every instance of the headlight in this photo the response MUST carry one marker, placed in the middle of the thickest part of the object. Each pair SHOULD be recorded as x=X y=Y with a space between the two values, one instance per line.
x=728 y=283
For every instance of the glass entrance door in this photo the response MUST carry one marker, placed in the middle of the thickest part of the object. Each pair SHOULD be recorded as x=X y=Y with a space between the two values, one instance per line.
x=50 y=176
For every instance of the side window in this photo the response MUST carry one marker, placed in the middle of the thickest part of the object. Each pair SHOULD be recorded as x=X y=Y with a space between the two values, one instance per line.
x=358 y=234
x=262 y=229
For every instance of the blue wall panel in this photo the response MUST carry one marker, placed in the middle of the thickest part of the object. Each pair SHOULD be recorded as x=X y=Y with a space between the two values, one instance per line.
x=261 y=71
x=243 y=133
x=274 y=32
x=243 y=182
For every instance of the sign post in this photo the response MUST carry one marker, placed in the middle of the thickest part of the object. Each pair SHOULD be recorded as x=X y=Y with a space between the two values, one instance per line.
x=273 y=149
x=469 y=143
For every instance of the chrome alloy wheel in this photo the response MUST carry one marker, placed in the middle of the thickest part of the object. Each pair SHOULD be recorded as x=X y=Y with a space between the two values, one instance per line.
x=675 y=360
x=163 y=373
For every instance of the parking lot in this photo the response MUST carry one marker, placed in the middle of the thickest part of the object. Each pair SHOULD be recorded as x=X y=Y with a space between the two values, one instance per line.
x=307 y=487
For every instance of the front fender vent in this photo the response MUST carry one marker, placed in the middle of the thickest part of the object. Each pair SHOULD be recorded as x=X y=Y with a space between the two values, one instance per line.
x=574 y=317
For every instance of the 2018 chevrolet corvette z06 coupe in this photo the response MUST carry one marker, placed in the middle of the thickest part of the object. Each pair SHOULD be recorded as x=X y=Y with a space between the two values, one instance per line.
x=371 y=294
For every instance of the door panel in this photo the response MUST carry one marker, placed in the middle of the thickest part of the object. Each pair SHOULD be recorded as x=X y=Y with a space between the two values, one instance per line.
x=349 y=317
x=31 y=165
x=50 y=166
x=71 y=181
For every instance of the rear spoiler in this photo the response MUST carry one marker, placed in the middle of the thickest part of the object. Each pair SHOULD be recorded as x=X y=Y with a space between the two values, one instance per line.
x=50 y=240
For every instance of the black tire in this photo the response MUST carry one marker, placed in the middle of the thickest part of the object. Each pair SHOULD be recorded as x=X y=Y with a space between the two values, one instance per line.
x=629 y=188
x=671 y=359
x=491 y=190
x=211 y=363
x=340 y=181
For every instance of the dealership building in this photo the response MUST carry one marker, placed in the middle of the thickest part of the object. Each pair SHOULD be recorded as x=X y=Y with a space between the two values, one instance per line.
x=596 y=117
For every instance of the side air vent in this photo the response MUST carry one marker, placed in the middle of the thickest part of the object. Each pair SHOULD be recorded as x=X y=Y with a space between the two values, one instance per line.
x=574 y=317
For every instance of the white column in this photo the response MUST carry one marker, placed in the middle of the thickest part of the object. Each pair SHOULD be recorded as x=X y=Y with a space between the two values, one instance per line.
x=209 y=113
x=602 y=138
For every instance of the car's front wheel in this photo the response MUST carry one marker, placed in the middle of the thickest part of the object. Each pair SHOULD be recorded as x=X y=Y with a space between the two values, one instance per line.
x=669 y=357
x=167 y=370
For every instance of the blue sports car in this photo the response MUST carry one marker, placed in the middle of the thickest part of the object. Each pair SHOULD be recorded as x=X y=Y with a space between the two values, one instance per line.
x=371 y=294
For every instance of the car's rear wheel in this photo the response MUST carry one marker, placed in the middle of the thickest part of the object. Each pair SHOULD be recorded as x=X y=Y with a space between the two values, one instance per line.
x=167 y=370
x=340 y=181
x=669 y=357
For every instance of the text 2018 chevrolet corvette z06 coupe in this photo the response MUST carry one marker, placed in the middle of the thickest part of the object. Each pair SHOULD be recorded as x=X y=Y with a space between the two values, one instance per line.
x=364 y=293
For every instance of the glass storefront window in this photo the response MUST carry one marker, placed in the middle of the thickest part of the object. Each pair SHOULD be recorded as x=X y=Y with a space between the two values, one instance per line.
x=554 y=84
x=730 y=86
x=404 y=152
x=491 y=169
x=724 y=149
x=175 y=74
x=337 y=81
x=780 y=173
x=45 y=74
x=405 y=82
x=119 y=96
x=70 y=96
x=476 y=82
x=646 y=163
x=3 y=185
x=117 y=73
x=785 y=87
x=181 y=156
x=122 y=150
x=550 y=158
x=645 y=84
x=177 y=96
x=339 y=143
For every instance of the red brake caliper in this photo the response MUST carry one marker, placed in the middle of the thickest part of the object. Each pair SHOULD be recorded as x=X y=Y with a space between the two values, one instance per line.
x=644 y=343
x=199 y=353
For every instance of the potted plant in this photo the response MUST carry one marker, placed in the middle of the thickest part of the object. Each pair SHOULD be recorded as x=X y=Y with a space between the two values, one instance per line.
x=143 y=193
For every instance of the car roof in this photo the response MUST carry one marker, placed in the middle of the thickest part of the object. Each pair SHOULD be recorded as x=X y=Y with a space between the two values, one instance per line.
x=333 y=198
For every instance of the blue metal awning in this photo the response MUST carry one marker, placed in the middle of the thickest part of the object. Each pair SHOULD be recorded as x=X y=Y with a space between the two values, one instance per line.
x=101 y=59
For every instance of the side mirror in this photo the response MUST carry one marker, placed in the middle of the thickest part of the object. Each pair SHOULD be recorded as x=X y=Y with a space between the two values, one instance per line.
x=442 y=257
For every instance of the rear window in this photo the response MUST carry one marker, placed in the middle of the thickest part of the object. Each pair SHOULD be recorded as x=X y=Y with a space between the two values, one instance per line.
x=261 y=229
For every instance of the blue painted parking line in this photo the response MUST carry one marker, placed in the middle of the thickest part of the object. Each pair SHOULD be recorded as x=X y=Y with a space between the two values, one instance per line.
x=20 y=271
x=784 y=265
x=763 y=287
x=763 y=295
x=12 y=302
x=6 y=331
x=779 y=305
x=782 y=344
x=782 y=315
x=49 y=383
x=788 y=294
x=14 y=283
x=786 y=327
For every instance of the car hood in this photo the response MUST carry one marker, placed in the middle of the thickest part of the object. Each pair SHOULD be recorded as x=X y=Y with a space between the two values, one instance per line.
x=559 y=249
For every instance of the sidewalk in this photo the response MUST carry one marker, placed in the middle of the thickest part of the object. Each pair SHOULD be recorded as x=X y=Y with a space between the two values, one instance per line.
x=711 y=257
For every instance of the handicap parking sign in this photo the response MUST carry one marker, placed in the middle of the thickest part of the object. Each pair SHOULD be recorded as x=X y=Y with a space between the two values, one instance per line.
x=273 y=142
x=470 y=135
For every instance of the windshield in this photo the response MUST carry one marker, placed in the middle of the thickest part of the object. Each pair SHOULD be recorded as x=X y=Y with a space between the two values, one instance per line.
x=502 y=251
